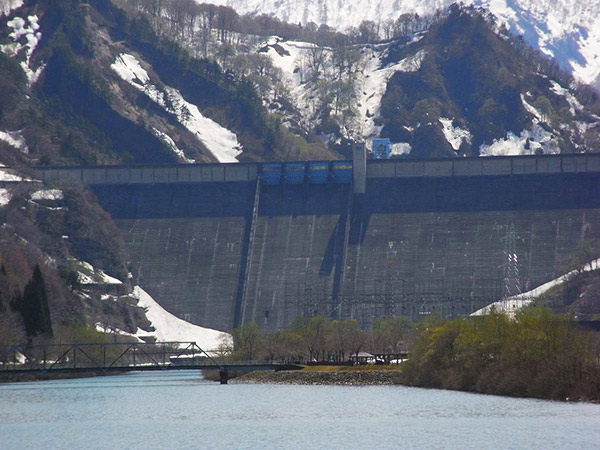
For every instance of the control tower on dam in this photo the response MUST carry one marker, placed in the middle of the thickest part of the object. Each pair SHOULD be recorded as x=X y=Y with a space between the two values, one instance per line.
x=225 y=245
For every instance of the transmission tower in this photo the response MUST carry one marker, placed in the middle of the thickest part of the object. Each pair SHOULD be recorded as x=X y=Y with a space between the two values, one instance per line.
x=512 y=277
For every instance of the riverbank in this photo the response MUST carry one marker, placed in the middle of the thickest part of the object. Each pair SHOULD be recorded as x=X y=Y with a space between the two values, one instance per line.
x=352 y=376
x=325 y=375
x=45 y=376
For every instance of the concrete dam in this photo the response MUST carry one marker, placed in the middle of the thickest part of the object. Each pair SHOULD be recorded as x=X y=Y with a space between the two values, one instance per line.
x=222 y=245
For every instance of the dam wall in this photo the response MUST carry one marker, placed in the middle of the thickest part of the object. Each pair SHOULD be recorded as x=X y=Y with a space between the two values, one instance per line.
x=220 y=248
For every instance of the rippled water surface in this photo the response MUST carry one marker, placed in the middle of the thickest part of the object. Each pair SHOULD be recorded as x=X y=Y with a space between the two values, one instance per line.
x=179 y=410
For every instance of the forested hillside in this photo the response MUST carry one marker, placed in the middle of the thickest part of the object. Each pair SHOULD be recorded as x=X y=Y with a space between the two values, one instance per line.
x=86 y=84
x=55 y=246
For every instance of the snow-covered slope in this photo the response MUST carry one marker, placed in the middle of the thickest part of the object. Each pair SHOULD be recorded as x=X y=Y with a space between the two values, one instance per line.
x=24 y=30
x=379 y=63
x=167 y=327
x=292 y=56
x=512 y=304
x=566 y=29
x=6 y=6
x=221 y=142
x=170 y=328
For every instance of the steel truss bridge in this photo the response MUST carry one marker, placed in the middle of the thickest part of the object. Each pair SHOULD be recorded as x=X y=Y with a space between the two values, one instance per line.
x=104 y=358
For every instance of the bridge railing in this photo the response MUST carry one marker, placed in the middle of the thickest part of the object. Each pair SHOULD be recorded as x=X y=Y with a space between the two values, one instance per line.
x=104 y=356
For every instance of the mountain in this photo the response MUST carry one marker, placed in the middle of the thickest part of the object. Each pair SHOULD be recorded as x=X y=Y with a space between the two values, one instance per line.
x=460 y=86
x=480 y=93
x=98 y=84
x=85 y=84
x=337 y=88
x=566 y=30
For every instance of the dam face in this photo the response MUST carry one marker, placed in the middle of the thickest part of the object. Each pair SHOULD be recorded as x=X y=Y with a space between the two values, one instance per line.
x=218 y=247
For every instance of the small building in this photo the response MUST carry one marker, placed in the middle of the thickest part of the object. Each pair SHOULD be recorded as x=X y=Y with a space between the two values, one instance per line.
x=362 y=358
x=382 y=148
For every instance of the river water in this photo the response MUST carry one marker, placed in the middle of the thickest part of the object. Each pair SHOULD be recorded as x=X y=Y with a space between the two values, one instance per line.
x=178 y=410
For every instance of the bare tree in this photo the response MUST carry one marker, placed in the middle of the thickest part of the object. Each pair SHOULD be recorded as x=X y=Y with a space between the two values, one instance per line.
x=315 y=62
x=226 y=19
x=369 y=31
x=387 y=28
x=208 y=17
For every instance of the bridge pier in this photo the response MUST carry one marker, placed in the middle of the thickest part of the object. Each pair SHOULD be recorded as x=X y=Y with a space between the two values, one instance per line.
x=223 y=376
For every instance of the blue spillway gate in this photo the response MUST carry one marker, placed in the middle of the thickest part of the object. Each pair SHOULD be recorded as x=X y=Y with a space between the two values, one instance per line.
x=318 y=172
x=294 y=172
x=313 y=172
x=341 y=171
x=270 y=173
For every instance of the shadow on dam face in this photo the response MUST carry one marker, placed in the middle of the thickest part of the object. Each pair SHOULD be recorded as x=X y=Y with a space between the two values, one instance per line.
x=176 y=200
x=212 y=254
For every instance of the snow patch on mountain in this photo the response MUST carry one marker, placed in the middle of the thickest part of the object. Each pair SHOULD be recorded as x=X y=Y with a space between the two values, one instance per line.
x=6 y=6
x=10 y=175
x=512 y=304
x=293 y=59
x=375 y=79
x=290 y=59
x=530 y=142
x=534 y=141
x=533 y=111
x=221 y=142
x=454 y=135
x=5 y=196
x=400 y=148
x=47 y=195
x=335 y=13
x=586 y=64
x=88 y=274
x=170 y=143
x=129 y=69
x=15 y=139
x=24 y=29
x=574 y=104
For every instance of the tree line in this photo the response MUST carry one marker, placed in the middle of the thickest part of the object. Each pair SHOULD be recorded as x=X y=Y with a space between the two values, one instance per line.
x=206 y=23
x=318 y=339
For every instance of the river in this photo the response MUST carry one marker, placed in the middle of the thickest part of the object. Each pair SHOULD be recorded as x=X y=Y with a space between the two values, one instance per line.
x=179 y=410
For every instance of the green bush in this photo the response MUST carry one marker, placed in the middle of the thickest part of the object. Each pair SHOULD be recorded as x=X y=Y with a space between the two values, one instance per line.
x=536 y=354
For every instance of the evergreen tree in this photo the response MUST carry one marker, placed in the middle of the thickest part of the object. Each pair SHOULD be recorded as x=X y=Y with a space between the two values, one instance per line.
x=33 y=306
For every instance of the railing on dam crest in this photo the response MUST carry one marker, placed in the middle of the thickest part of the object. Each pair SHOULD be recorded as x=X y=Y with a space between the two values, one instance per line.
x=316 y=172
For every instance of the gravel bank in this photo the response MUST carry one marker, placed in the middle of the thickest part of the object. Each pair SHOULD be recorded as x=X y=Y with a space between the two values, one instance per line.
x=311 y=378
